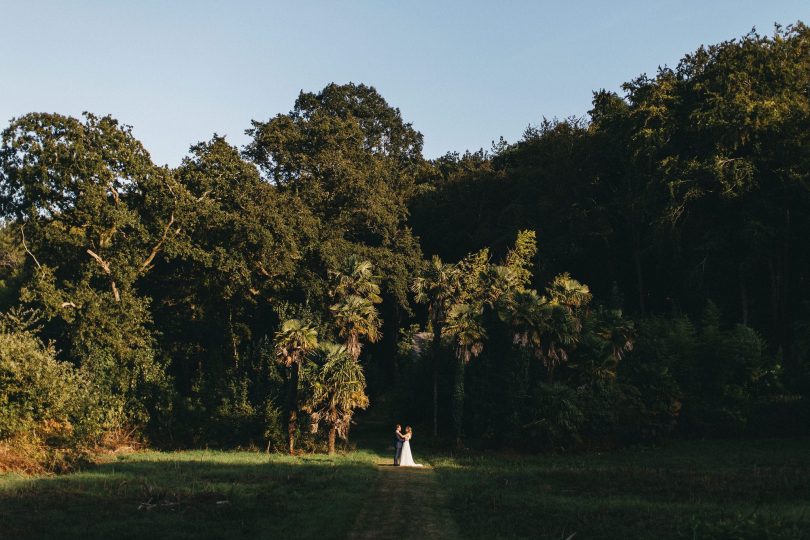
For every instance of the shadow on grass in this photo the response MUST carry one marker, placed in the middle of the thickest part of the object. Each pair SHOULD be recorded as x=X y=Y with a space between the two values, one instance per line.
x=191 y=495
x=696 y=489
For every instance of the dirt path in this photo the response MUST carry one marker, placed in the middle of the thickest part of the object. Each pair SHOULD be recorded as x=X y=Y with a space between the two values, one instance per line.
x=405 y=503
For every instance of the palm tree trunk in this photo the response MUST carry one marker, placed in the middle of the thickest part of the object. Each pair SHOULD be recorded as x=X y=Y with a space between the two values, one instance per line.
x=353 y=346
x=639 y=280
x=743 y=295
x=332 y=430
x=458 y=399
x=292 y=407
x=437 y=340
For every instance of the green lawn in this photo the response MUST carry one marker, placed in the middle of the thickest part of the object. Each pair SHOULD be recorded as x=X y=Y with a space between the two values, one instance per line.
x=695 y=489
x=199 y=494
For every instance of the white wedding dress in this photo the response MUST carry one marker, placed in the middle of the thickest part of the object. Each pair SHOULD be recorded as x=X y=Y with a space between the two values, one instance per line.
x=406 y=458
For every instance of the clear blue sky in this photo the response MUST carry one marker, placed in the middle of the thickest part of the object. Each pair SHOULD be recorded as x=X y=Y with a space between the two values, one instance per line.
x=464 y=73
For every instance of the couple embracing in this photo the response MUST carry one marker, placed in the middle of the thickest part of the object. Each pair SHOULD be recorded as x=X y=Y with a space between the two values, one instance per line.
x=402 y=446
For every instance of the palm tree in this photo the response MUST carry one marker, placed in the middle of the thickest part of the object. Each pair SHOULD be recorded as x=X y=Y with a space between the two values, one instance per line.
x=612 y=336
x=617 y=331
x=561 y=337
x=337 y=389
x=356 y=290
x=292 y=342
x=356 y=278
x=567 y=291
x=528 y=314
x=567 y=298
x=356 y=318
x=465 y=329
x=435 y=287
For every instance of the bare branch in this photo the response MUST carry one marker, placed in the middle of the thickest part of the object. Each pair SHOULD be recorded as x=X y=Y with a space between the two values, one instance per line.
x=22 y=233
x=114 y=193
x=157 y=247
x=104 y=264
x=69 y=304
x=263 y=271
x=106 y=267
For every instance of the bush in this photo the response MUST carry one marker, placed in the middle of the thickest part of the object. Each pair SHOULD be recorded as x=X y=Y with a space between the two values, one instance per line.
x=47 y=408
x=275 y=432
x=600 y=407
x=718 y=375
x=731 y=372
x=556 y=418
x=650 y=401
x=780 y=416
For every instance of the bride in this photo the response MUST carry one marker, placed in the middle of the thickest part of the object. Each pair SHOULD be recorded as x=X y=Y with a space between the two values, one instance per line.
x=406 y=459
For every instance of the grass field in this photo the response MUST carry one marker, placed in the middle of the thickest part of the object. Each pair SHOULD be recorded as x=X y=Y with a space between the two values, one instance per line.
x=198 y=494
x=695 y=489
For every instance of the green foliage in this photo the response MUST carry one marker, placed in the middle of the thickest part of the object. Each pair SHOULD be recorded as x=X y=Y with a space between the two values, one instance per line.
x=97 y=213
x=356 y=292
x=691 y=185
x=519 y=260
x=464 y=327
x=337 y=388
x=293 y=342
x=556 y=418
x=49 y=410
x=12 y=257
x=352 y=161
x=720 y=373
x=174 y=294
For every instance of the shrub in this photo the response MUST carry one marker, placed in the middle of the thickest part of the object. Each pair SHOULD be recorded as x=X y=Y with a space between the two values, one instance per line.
x=718 y=375
x=600 y=406
x=556 y=418
x=649 y=402
x=275 y=431
x=47 y=408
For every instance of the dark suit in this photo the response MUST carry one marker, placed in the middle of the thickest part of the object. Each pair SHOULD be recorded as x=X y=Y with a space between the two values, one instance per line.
x=398 y=440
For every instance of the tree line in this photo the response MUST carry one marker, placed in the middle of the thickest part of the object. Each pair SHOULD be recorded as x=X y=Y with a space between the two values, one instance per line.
x=250 y=295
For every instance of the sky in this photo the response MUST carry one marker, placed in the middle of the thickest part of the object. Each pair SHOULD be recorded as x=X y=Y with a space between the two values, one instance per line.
x=463 y=73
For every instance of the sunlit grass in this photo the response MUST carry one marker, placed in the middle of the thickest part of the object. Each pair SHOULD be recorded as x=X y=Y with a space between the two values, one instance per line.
x=200 y=494
x=688 y=489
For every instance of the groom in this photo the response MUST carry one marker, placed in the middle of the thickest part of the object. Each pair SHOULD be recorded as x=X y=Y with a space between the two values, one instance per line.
x=398 y=440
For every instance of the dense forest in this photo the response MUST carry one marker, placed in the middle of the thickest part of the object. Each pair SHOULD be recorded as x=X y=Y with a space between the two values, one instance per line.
x=636 y=274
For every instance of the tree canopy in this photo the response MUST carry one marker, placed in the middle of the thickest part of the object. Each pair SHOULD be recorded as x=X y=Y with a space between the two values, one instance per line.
x=616 y=278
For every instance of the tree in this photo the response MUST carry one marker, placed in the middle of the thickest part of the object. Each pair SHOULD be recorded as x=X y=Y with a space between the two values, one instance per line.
x=356 y=290
x=240 y=254
x=337 y=389
x=356 y=278
x=353 y=163
x=94 y=215
x=356 y=318
x=474 y=284
x=527 y=314
x=467 y=333
x=293 y=342
x=435 y=287
x=606 y=338
x=567 y=298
